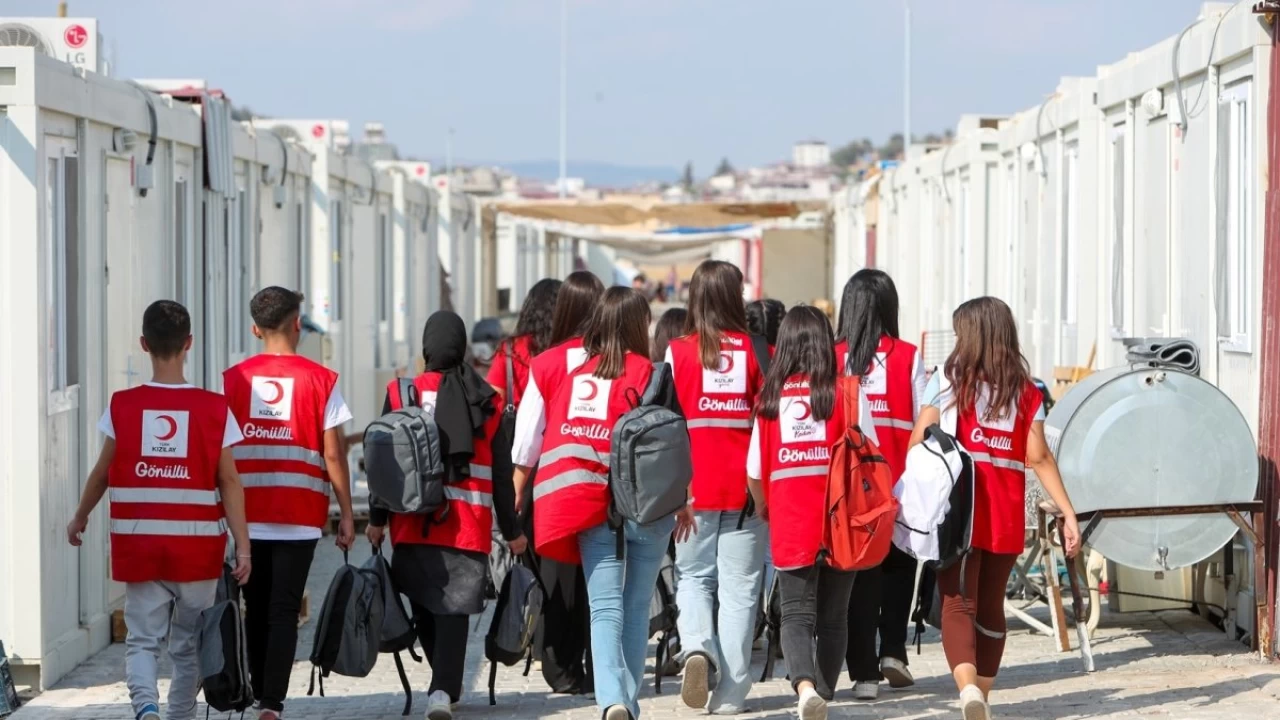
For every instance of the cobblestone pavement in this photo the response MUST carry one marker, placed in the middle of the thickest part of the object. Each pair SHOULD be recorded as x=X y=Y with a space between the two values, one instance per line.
x=1163 y=665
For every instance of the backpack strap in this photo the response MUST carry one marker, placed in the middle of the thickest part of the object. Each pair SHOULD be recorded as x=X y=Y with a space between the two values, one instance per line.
x=657 y=379
x=945 y=443
x=658 y=662
x=404 y=683
x=760 y=346
x=493 y=683
x=849 y=388
x=405 y=395
x=511 y=378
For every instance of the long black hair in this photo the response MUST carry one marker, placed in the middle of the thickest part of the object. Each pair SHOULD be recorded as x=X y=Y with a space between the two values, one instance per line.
x=577 y=300
x=670 y=326
x=868 y=311
x=805 y=347
x=763 y=318
x=536 y=314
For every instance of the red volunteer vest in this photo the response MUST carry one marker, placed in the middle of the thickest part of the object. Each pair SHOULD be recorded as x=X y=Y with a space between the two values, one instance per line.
x=999 y=450
x=549 y=369
x=717 y=404
x=571 y=491
x=521 y=357
x=280 y=400
x=888 y=388
x=795 y=453
x=166 y=516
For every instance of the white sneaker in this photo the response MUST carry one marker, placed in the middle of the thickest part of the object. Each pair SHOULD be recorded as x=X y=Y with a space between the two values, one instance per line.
x=812 y=706
x=439 y=706
x=973 y=706
x=896 y=672
x=866 y=690
x=617 y=712
x=694 y=688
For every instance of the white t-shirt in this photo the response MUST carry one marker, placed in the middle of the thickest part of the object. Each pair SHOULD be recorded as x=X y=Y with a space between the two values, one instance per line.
x=230 y=435
x=753 y=452
x=336 y=413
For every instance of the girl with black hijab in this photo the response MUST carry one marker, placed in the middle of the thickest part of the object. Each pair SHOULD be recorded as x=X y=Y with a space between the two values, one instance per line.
x=441 y=563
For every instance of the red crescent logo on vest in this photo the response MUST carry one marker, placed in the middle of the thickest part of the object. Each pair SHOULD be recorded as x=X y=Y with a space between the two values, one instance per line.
x=279 y=393
x=592 y=390
x=806 y=410
x=726 y=363
x=173 y=428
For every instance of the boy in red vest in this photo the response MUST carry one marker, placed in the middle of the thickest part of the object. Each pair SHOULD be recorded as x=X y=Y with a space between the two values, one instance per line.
x=174 y=490
x=292 y=458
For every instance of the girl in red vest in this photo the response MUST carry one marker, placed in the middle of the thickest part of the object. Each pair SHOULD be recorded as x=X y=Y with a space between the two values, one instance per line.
x=799 y=415
x=571 y=495
x=669 y=327
x=564 y=637
x=441 y=563
x=893 y=383
x=532 y=336
x=717 y=378
x=764 y=317
x=1000 y=420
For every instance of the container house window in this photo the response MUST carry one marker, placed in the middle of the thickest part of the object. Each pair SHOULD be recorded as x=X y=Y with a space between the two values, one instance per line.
x=181 y=254
x=62 y=220
x=335 y=264
x=1233 y=278
x=961 y=214
x=237 y=277
x=1117 y=229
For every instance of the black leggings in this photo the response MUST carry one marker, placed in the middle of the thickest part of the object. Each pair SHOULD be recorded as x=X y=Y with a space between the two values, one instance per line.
x=273 y=599
x=815 y=602
x=564 y=637
x=880 y=601
x=444 y=643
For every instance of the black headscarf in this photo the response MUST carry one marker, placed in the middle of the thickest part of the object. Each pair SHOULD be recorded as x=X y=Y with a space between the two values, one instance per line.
x=464 y=401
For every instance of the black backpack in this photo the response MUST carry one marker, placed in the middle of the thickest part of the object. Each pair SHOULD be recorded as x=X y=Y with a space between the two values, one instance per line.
x=773 y=626
x=349 y=627
x=662 y=618
x=515 y=619
x=222 y=654
x=398 y=633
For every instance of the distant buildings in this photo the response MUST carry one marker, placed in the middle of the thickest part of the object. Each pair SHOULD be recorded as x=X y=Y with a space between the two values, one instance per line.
x=811 y=154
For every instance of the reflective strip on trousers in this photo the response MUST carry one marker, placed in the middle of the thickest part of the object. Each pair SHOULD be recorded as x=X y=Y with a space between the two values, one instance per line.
x=481 y=472
x=278 y=452
x=577 y=451
x=471 y=497
x=808 y=471
x=175 y=528
x=893 y=423
x=285 y=480
x=744 y=424
x=543 y=488
x=998 y=462
x=164 y=496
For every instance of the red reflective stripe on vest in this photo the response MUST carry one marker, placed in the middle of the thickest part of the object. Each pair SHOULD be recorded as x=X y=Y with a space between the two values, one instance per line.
x=795 y=452
x=999 y=451
x=166 y=516
x=570 y=490
x=468 y=523
x=888 y=386
x=280 y=402
x=717 y=404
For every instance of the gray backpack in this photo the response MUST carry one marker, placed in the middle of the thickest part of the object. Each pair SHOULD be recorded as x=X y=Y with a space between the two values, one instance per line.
x=222 y=654
x=398 y=632
x=650 y=463
x=403 y=461
x=515 y=617
x=349 y=627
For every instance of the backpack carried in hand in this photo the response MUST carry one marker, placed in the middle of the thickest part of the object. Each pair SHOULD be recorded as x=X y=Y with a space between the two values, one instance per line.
x=651 y=462
x=515 y=619
x=222 y=654
x=403 y=458
x=772 y=604
x=398 y=633
x=349 y=627
x=860 y=508
x=662 y=617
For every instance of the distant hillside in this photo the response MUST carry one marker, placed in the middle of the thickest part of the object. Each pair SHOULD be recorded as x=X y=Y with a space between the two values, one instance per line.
x=597 y=174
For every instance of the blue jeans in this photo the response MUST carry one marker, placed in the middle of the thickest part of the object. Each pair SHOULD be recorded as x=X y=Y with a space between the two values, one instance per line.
x=619 y=593
x=722 y=562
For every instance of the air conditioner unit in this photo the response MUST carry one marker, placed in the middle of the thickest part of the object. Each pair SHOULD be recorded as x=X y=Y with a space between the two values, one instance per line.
x=72 y=40
x=418 y=170
x=333 y=134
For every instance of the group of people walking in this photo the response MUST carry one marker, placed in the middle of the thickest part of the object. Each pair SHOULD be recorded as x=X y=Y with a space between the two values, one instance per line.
x=760 y=389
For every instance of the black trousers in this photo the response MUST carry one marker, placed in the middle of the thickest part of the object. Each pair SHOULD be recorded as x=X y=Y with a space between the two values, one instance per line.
x=880 y=603
x=815 y=603
x=564 y=635
x=273 y=599
x=444 y=643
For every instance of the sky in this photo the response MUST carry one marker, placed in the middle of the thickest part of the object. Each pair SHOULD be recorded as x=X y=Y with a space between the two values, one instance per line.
x=651 y=82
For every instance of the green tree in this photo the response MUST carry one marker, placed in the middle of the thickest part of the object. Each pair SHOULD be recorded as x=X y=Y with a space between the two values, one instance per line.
x=725 y=167
x=686 y=178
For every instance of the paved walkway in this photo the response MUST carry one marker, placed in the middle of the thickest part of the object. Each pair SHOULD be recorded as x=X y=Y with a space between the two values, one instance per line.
x=1164 y=665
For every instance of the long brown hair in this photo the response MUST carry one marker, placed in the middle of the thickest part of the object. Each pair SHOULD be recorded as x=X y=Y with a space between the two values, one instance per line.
x=715 y=307
x=619 y=325
x=577 y=299
x=987 y=351
x=805 y=347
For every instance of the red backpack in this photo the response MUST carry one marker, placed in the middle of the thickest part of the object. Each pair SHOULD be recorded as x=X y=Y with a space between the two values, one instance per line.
x=861 y=508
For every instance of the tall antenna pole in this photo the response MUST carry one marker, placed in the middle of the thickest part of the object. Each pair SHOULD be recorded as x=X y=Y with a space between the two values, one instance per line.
x=62 y=9
x=906 y=79
x=564 y=85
